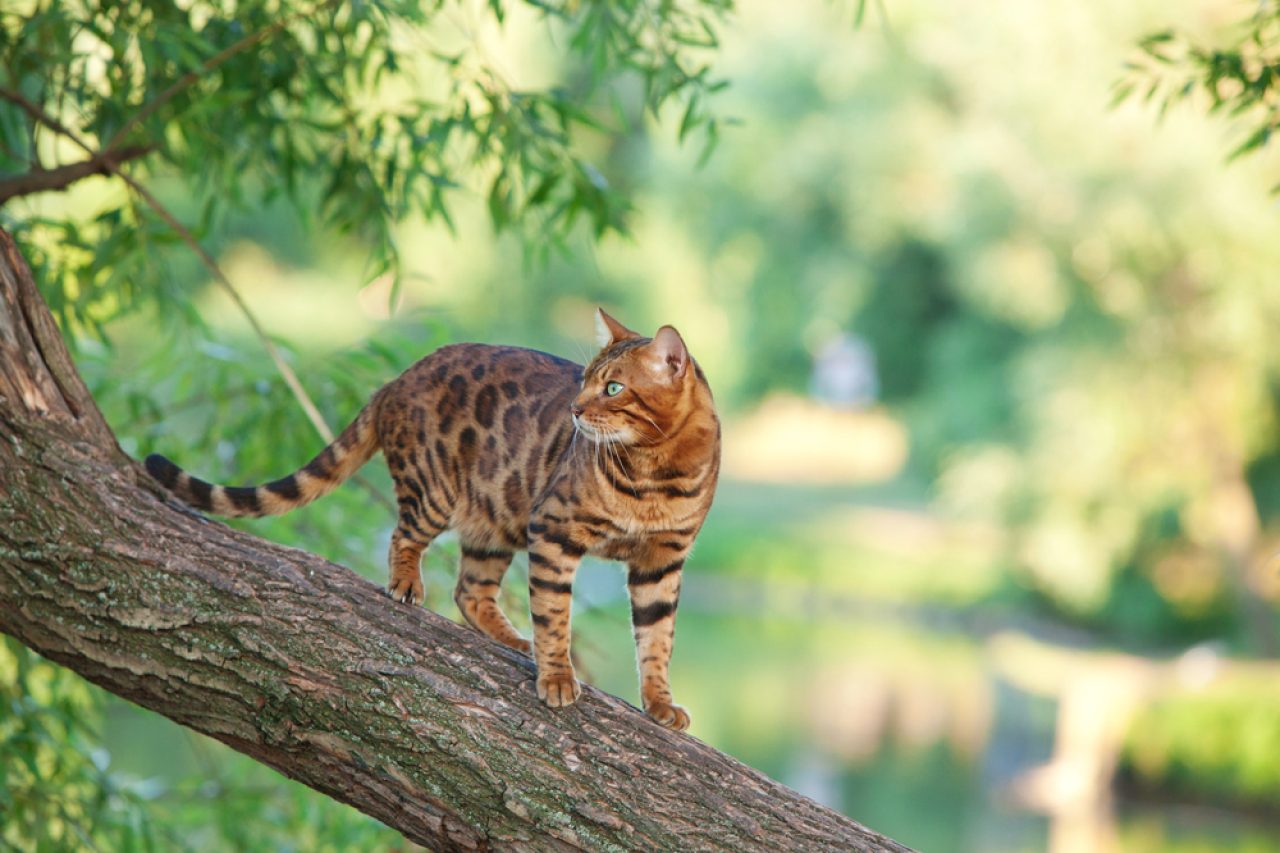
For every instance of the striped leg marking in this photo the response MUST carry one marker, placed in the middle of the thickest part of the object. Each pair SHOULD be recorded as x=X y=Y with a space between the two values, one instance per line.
x=479 y=579
x=406 y=572
x=655 y=592
x=553 y=560
x=421 y=521
x=411 y=537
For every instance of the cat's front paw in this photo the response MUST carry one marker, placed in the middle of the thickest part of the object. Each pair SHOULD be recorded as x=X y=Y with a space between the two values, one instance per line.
x=672 y=716
x=520 y=644
x=559 y=689
x=406 y=588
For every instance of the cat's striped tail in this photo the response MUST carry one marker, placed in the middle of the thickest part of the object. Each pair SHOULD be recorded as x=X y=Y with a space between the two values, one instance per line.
x=317 y=478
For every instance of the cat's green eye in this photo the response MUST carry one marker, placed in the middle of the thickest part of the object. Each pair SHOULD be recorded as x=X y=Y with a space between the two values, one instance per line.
x=613 y=389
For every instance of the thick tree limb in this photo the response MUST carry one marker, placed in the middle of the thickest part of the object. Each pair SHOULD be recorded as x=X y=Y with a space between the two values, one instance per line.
x=308 y=668
x=46 y=180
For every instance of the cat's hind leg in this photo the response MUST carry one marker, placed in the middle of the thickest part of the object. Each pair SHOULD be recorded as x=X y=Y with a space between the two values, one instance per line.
x=410 y=539
x=479 y=579
x=422 y=519
x=406 y=567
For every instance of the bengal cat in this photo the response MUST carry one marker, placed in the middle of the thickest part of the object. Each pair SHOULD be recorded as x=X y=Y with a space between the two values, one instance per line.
x=520 y=450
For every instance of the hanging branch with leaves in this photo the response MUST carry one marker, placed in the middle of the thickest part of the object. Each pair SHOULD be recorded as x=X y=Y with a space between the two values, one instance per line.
x=1238 y=78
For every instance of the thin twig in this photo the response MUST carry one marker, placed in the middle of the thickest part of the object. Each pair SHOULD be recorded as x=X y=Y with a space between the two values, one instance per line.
x=290 y=378
x=286 y=372
x=36 y=112
x=57 y=179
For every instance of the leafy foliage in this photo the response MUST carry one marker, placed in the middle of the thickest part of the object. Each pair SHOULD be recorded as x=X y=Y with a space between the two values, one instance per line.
x=1215 y=747
x=1239 y=77
x=55 y=788
x=359 y=114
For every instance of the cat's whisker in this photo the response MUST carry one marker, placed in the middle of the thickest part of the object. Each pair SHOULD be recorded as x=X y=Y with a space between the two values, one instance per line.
x=609 y=440
x=660 y=430
x=613 y=451
x=573 y=442
x=595 y=443
x=621 y=444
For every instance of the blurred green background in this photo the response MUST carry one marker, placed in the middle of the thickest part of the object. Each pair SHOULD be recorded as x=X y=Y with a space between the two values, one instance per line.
x=995 y=561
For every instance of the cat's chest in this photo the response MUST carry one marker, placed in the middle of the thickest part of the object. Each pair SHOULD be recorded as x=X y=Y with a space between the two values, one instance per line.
x=627 y=548
x=634 y=535
x=620 y=548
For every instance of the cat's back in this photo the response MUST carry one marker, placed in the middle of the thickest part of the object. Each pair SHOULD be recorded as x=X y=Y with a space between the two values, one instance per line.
x=479 y=385
x=483 y=423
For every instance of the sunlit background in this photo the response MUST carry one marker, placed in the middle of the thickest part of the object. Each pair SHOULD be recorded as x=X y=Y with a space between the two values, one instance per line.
x=994 y=562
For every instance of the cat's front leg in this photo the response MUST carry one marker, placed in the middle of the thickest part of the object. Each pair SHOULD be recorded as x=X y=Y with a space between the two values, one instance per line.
x=554 y=554
x=654 y=585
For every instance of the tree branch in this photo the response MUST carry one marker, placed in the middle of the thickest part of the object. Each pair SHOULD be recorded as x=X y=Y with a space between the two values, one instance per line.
x=46 y=180
x=299 y=663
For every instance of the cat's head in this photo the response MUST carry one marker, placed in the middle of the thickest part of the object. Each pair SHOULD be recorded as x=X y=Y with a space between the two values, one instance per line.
x=635 y=390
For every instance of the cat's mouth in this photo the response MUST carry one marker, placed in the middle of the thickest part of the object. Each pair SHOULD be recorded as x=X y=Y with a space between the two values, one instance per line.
x=586 y=429
x=596 y=434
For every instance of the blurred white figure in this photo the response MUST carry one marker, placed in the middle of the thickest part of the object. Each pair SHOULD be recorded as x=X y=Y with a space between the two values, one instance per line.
x=844 y=373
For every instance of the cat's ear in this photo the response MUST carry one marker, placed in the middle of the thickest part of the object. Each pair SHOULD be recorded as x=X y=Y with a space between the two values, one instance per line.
x=610 y=331
x=668 y=357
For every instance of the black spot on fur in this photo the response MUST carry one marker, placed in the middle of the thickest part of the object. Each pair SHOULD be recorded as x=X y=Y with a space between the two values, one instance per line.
x=550 y=586
x=458 y=390
x=285 y=487
x=199 y=494
x=244 y=498
x=163 y=470
x=513 y=424
x=651 y=613
x=467 y=447
x=486 y=406
x=513 y=493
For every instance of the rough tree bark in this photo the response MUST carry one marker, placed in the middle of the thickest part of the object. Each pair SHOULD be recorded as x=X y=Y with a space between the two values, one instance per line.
x=308 y=668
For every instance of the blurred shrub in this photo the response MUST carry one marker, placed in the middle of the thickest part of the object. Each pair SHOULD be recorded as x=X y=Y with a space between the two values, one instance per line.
x=56 y=792
x=1218 y=746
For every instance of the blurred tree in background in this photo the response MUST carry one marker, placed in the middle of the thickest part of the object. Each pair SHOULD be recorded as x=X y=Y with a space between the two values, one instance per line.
x=1070 y=304
x=1071 y=300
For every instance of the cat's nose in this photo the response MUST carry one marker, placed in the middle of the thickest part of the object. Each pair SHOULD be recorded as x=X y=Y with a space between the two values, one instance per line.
x=575 y=410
